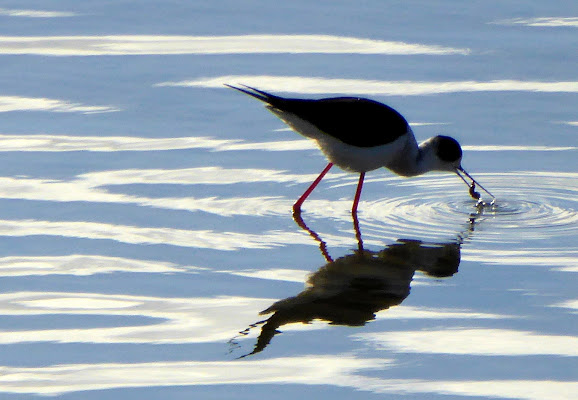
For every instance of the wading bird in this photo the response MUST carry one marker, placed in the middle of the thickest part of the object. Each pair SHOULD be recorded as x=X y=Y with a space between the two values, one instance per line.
x=360 y=135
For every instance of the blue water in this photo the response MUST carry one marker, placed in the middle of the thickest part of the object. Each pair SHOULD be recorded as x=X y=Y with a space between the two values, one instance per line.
x=145 y=209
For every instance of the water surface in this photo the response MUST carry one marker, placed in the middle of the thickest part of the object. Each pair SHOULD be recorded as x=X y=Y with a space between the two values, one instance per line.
x=148 y=248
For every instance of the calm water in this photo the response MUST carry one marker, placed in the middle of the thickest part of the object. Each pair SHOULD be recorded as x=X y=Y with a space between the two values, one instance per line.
x=147 y=245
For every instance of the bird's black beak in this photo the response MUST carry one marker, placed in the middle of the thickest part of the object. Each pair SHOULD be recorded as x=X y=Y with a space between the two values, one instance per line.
x=472 y=186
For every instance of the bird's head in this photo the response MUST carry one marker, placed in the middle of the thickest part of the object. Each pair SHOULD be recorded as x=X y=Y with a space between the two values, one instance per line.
x=445 y=153
x=448 y=153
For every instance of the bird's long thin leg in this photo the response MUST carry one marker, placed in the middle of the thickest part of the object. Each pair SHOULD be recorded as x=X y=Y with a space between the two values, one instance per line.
x=358 y=193
x=297 y=205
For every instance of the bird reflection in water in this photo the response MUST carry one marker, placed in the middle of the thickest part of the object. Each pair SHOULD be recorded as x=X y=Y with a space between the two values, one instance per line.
x=352 y=289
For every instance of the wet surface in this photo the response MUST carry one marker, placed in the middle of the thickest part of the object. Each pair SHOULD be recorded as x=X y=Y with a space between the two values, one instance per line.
x=147 y=243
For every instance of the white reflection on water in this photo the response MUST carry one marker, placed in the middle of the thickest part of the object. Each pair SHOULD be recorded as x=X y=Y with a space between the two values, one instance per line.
x=503 y=388
x=60 y=143
x=206 y=239
x=278 y=274
x=194 y=176
x=63 y=143
x=340 y=371
x=409 y=312
x=11 y=12
x=308 y=85
x=279 y=145
x=173 y=320
x=487 y=342
x=570 y=304
x=542 y=21
x=43 y=190
x=83 y=265
x=18 y=103
x=563 y=259
x=89 y=188
x=427 y=211
x=307 y=370
x=241 y=44
x=518 y=148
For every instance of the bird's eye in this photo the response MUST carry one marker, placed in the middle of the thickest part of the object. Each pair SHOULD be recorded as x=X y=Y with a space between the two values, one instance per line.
x=448 y=149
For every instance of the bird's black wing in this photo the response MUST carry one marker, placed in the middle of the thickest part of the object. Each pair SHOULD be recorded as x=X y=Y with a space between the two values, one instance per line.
x=353 y=120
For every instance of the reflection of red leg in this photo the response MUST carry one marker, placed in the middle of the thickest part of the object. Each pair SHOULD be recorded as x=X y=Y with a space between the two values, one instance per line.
x=357 y=193
x=322 y=245
x=297 y=205
x=357 y=232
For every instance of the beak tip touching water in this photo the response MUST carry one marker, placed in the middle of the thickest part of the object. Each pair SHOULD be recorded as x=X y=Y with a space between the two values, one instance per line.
x=472 y=186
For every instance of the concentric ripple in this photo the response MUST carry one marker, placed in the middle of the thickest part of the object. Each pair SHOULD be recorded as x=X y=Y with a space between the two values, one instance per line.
x=529 y=206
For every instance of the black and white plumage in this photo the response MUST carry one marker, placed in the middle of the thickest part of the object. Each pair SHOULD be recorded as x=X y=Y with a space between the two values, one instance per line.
x=360 y=135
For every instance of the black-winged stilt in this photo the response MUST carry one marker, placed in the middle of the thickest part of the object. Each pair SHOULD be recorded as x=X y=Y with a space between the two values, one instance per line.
x=360 y=135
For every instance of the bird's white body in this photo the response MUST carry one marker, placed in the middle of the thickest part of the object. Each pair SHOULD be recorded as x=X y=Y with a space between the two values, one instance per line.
x=365 y=158
x=402 y=156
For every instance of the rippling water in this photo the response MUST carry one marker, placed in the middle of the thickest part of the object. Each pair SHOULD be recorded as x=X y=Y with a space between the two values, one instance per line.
x=540 y=206
x=147 y=245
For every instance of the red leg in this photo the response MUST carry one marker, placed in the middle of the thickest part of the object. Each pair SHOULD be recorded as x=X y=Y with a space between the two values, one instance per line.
x=358 y=193
x=297 y=205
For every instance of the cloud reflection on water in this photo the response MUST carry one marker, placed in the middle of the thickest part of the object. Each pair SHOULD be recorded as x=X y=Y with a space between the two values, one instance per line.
x=172 y=320
x=19 y=103
x=474 y=341
x=65 y=143
x=194 y=176
x=425 y=211
x=83 y=265
x=240 y=44
x=204 y=239
x=12 y=12
x=541 y=22
x=560 y=259
x=341 y=370
x=309 y=85
x=90 y=188
x=569 y=304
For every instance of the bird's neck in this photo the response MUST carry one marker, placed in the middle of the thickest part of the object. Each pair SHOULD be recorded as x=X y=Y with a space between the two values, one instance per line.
x=426 y=158
x=415 y=160
x=409 y=160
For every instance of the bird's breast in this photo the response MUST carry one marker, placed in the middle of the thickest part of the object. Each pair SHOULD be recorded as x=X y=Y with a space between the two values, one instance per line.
x=360 y=159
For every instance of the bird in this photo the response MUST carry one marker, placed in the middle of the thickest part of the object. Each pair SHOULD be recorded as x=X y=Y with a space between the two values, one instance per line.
x=360 y=135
